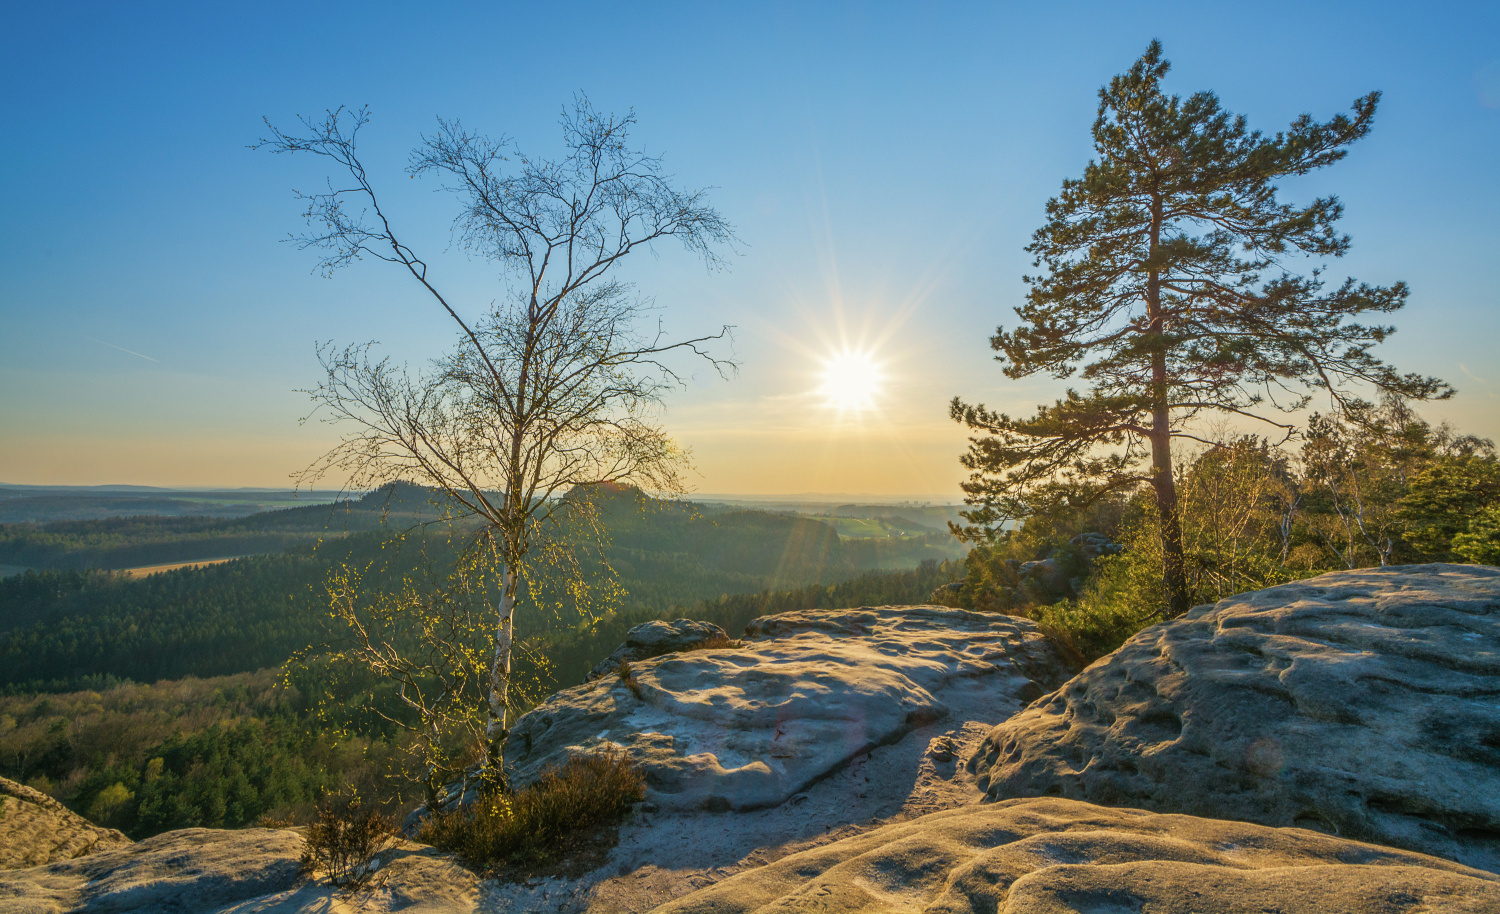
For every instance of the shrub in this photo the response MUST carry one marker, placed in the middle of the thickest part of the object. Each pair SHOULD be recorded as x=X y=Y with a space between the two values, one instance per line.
x=540 y=823
x=344 y=840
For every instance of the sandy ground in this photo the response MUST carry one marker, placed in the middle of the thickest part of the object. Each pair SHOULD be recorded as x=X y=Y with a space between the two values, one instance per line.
x=661 y=857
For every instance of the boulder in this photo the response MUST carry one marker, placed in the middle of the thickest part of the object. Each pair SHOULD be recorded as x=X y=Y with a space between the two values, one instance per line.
x=748 y=727
x=36 y=829
x=1055 y=855
x=1365 y=704
x=653 y=639
x=235 y=872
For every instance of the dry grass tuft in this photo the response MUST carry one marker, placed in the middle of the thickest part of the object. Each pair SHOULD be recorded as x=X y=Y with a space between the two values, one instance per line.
x=627 y=676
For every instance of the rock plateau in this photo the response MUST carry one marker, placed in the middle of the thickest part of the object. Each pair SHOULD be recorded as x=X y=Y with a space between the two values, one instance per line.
x=1365 y=704
x=1050 y=856
x=749 y=727
x=36 y=829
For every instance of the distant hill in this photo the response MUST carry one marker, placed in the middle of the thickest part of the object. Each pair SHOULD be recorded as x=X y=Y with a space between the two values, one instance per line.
x=143 y=538
x=42 y=504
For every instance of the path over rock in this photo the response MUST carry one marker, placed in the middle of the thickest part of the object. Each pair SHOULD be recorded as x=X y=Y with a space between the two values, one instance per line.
x=1052 y=855
x=36 y=829
x=251 y=871
x=749 y=727
x=1362 y=703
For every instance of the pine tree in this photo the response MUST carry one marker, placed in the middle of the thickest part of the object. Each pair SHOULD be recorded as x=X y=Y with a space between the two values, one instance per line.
x=1169 y=290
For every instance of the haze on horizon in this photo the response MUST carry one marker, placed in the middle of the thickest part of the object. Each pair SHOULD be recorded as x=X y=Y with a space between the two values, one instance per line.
x=883 y=164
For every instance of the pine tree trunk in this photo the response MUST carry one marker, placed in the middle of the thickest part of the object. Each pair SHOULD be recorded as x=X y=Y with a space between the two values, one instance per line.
x=1173 y=564
x=1173 y=567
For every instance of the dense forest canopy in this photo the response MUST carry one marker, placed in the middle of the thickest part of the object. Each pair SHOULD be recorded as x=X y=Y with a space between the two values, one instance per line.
x=60 y=628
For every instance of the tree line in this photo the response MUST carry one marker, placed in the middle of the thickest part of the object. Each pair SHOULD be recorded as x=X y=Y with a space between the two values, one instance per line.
x=1391 y=489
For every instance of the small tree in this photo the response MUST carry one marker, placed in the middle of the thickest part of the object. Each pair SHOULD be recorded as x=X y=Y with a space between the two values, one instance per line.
x=1168 y=291
x=556 y=384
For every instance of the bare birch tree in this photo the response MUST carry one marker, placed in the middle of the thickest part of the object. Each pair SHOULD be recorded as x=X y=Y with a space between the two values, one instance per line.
x=553 y=386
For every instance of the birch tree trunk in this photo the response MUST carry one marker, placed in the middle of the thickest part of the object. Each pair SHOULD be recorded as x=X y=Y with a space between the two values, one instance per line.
x=499 y=700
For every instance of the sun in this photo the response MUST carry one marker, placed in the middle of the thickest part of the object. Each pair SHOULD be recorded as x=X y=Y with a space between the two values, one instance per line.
x=851 y=381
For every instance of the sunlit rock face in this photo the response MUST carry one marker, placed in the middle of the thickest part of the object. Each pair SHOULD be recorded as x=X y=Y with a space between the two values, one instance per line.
x=250 y=870
x=744 y=728
x=655 y=638
x=36 y=829
x=1054 y=855
x=1364 y=704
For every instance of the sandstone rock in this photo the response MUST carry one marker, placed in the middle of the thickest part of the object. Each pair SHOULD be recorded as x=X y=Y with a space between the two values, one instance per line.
x=1053 y=855
x=653 y=639
x=252 y=871
x=744 y=728
x=195 y=869
x=36 y=829
x=1364 y=703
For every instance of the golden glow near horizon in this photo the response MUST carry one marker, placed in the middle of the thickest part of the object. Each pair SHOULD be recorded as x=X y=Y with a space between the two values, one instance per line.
x=852 y=381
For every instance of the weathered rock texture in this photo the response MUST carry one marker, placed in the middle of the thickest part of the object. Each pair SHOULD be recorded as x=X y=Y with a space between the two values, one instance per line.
x=653 y=639
x=36 y=829
x=1365 y=704
x=1047 y=856
x=744 y=728
x=253 y=870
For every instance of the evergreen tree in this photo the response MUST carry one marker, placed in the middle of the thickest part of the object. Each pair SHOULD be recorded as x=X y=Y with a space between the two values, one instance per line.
x=1168 y=290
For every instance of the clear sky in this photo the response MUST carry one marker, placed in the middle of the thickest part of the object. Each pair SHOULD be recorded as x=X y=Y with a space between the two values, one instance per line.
x=883 y=163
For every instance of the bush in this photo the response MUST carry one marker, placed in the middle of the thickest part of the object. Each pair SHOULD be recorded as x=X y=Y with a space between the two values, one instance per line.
x=344 y=840
x=540 y=823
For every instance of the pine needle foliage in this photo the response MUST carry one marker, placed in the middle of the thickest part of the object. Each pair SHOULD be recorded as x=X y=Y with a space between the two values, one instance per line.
x=1169 y=288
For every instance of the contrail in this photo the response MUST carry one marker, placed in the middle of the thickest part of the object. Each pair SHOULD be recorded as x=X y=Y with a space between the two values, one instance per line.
x=1465 y=369
x=121 y=348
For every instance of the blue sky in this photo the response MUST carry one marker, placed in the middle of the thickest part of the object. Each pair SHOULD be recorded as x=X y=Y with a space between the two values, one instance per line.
x=884 y=165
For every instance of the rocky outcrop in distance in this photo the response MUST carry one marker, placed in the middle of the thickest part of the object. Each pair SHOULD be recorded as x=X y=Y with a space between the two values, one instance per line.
x=36 y=829
x=1365 y=704
x=1053 y=855
x=748 y=727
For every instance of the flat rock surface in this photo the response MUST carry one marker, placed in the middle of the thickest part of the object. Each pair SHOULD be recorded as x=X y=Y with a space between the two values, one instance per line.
x=36 y=829
x=1365 y=704
x=750 y=727
x=1047 y=856
x=251 y=871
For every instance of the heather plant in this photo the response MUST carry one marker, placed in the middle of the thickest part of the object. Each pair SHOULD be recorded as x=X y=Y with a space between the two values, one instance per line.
x=543 y=821
x=344 y=840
